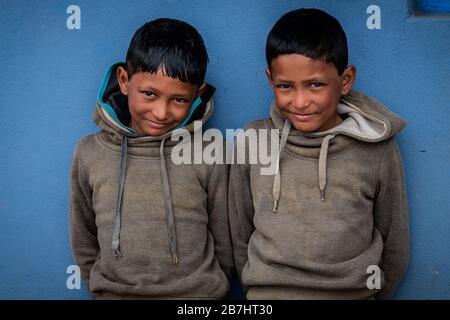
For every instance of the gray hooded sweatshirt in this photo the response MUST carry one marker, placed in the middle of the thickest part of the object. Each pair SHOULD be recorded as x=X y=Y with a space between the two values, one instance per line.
x=336 y=207
x=140 y=225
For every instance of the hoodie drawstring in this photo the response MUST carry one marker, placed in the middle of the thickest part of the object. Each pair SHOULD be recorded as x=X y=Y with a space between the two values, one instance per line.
x=276 y=190
x=167 y=202
x=168 y=206
x=117 y=222
x=323 y=165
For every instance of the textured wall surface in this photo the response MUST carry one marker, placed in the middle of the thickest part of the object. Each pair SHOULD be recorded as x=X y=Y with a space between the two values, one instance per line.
x=50 y=76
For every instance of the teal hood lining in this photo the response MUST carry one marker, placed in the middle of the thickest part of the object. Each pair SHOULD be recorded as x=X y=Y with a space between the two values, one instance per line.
x=105 y=106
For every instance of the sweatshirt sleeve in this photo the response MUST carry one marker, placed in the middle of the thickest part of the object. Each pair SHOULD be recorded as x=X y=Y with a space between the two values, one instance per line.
x=83 y=230
x=391 y=219
x=241 y=211
x=218 y=223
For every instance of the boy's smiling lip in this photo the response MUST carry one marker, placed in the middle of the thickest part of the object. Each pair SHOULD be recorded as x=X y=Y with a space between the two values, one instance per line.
x=157 y=125
x=302 y=117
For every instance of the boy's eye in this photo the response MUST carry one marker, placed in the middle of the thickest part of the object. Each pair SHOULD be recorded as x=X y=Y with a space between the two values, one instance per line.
x=283 y=86
x=316 y=84
x=180 y=100
x=148 y=93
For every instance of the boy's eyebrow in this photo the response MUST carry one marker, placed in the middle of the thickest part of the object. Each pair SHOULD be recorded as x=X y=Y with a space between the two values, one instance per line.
x=147 y=88
x=311 y=79
x=282 y=80
x=150 y=88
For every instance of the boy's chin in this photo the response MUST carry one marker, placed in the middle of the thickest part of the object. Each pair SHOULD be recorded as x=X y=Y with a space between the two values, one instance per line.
x=156 y=132
x=305 y=127
x=316 y=124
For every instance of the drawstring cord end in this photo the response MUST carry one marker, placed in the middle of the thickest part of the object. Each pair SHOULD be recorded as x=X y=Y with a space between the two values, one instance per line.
x=322 y=195
x=117 y=253
x=275 y=206
x=174 y=258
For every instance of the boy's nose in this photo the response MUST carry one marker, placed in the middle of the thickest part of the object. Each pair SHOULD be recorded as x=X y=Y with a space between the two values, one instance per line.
x=160 y=112
x=301 y=100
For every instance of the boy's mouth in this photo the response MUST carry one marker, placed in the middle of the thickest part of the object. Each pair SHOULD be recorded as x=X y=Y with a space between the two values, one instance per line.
x=157 y=125
x=302 y=117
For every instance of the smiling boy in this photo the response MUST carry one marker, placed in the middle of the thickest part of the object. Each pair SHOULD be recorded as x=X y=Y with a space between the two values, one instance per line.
x=146 y=89
x=337 y=205
x=141 y=226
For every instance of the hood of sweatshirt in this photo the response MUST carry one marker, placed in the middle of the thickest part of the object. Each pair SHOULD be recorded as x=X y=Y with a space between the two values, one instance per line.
x=365 y=119
x=112 y=115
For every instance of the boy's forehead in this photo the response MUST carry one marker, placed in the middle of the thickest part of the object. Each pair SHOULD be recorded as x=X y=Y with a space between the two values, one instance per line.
x=298 y=66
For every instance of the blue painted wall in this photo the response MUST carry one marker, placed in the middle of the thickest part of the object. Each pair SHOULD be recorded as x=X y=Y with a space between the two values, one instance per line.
x=49 y=77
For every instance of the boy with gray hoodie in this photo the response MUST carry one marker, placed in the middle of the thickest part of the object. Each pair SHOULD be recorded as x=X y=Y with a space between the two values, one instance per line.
x=142 y=226
x=332 y=222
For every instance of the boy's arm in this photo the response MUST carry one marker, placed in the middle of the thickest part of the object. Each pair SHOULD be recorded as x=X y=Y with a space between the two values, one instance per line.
x=241 y=213
x=83 y=230
x=391 y=219
x=218 y=223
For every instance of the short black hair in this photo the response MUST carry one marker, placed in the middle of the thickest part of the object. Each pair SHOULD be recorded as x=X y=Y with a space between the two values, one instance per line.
x=172 y=45
x=312 y=33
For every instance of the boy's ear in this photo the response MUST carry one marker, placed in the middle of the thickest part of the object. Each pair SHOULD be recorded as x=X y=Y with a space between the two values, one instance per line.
x=201 y=89
x=122 y=79
x=269 y=76
x=348 y=78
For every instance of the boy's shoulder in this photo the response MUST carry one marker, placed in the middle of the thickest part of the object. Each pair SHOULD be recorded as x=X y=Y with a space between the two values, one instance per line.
x=87 y=145
x=87 y=141
x=256 y=124
x=389 y=149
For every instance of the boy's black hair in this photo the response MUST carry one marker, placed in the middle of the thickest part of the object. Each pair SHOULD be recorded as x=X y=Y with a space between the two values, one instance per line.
x=172 y=45
x=312 y=33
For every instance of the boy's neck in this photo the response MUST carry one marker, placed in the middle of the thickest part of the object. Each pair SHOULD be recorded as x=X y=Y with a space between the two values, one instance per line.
x=333 y=123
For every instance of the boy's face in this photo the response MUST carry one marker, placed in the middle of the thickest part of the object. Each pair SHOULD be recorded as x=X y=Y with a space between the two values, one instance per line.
x=157 y=103
x=308 y=91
